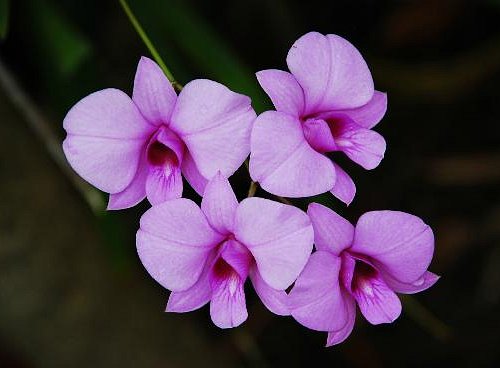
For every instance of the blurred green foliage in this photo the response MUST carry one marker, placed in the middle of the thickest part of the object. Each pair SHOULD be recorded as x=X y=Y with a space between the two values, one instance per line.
x=4 y=18
x=63 y=45
x=198 y=43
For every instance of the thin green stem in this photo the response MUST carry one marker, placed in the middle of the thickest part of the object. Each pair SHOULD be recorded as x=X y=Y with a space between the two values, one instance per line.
x=142 y=34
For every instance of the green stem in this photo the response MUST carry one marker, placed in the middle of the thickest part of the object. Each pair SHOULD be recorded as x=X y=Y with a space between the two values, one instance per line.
x=140 y=31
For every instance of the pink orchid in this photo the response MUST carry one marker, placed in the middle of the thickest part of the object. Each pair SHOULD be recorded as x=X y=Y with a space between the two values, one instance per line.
x=133 y=148
x=387 y=252
x=206 y=254
x=327 y=103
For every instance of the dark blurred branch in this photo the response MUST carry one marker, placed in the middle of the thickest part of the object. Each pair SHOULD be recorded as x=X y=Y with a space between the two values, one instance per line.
x=425 y=318
x=443 y=80
x=43 y=131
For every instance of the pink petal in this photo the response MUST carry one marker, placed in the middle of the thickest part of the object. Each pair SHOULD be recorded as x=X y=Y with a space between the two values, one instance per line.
x=332 y=232
x=378 y=303
x=164 y=181
x=215 y=124
x=163 y=186
x=331 y=71
x=219 y=204
x=196 y=296
x=318 y=135
x=279 y=237
x=344 y=188
x=423 y=283
x=106 y=134
x=237 y=257
x=173 y=243
x=371 y=113
x=153 y=93
x=228 y=304
x=283 y=162
x=336 y=337
x=283 y=89
x=316 y=300
x=397 y=243
x=363 y=146
x=134 y=193
x=274 y=300
x=192 y=175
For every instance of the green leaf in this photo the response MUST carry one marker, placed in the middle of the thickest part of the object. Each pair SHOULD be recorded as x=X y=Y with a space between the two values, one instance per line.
x=4 y=18
x=200 y=45
x=63 y=45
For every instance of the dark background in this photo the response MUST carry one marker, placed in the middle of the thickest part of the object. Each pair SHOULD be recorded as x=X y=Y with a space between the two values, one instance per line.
x=72 y=290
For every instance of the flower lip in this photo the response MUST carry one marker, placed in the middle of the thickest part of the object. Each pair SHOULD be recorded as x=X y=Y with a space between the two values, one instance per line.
x=356 y=272
x=164 y=149
x=158 y=155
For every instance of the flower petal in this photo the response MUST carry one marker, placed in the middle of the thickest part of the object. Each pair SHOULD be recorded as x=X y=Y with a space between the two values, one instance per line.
x=173 y=243
x=336 y=337
x=134 y=193
x=279 y=237
x=318 y=135
x=344 y=188
x=153 y=93
x=331 y=71
x=196 y=296
x=378 y=303
x=332 y=232
x=192 y=174
x=371 y=113
x=363 y=146
x=397 y=243
x=283 y=162
x=228 y=305
x=274 y=300
x=163 y=186
x=106 y=134
x=215 y=124
x=219 y=204
x=316 y=300
x=423 y=283
x=283 y=89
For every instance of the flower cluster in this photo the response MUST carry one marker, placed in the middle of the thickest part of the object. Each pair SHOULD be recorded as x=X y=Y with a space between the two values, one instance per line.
x=140 y=147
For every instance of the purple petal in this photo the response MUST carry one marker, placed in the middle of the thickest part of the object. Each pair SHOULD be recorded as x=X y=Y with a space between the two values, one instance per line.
x=363 y=146
x=196 y=296
x=274 y=300
x=134 y=193
x=228 y=305
x=371 y=113
x=283 y=162
x=344 y=188
x=378 y=303
x=316 y=300
x=219 y=204
x=106 y=134
x=163 y=186
x=279 y=237
x=192 y=175
x=215 y=124
x=237 y=257
x=331 y=71
x=318 y=135
x=397 y=243
x=283 y=89
x=336 y=337
x=423 y=283
x=173 y=243
x=332 y=232
x=164 y=181
x=153 y=93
